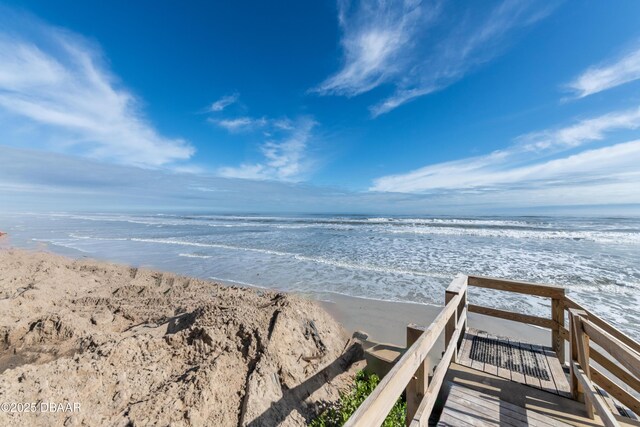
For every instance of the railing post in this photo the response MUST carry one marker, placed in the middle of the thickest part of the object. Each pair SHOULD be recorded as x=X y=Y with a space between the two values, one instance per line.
x=557 y=315
x=450 y=327
x=457 y=286
x=419 y=383
x=579 y=346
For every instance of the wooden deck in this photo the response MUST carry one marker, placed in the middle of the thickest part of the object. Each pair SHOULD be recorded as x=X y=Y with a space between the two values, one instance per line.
x=491 y=400
x=487 y=380
x=529 y=364
x=466 y=406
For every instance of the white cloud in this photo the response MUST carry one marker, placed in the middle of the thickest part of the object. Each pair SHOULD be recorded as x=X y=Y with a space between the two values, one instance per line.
x=375 y=35
x=224 y=102
x=58 y=82
x=284 y=159
x=240 y=124
x=614 y=73
x=527 y=164
x=392 y=42
x=588 y=130
x=38 y=181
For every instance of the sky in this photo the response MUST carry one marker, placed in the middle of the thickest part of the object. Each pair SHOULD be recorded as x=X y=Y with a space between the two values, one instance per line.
x=408 y=107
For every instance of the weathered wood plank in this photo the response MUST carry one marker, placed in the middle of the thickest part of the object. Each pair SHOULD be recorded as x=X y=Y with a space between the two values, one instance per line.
x=486 y=415
x=559 y=378
x=590 y=393
x=464 y=357
x=614 y=369
x=490 y=358
x=517 y=373
x=419 y=383
x=616 y=348
x=547 y=384
x=458 y=284
x=503 y=370
x=529 y=364
x=455 y=418
x=477 y=359
x=607 y=399
x=615 y=390
x=375 y=408
x=510 y=315
x=570 y=303
x=551 y=291
x=576 y=391
x=504 y=408
x=421 y=418
x=557 y=315
x=582 y=346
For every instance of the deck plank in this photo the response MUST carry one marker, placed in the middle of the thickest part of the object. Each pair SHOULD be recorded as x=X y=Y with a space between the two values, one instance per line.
x=465 y=406
x=533 y=365
x=559 y=377
x=546 y=382
x=503 y=370
x=477 y=354
x=529 y=365
x=464 y=357
x=509 y=414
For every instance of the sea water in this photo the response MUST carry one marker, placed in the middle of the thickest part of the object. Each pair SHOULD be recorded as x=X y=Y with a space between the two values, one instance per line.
x=387 y=258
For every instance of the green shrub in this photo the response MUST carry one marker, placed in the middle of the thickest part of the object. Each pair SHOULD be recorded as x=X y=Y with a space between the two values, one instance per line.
x=338 y=414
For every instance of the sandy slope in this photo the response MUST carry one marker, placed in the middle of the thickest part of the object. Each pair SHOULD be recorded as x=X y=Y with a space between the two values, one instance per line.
x=137 y=347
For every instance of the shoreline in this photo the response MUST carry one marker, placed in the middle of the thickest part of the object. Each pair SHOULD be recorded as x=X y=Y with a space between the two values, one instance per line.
x=384 y=321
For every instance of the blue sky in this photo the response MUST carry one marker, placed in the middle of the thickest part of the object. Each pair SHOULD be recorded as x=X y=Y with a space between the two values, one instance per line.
x=355 y=106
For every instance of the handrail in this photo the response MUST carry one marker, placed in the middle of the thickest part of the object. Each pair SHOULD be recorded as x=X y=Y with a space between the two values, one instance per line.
x=410 y=373
x=571 y=303
x=537 y=289
x=555 y=322
x=583 y=376
x=376 y=407
x=426 y=406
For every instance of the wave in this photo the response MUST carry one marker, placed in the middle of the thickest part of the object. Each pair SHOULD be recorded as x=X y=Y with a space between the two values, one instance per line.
x=479 y=227
x=195 y=256
x=299 y=257
x=595 y=236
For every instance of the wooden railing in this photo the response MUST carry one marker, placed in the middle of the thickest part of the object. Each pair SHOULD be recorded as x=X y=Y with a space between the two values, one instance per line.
x=583 y=331
x=411 y=372
x=556 y=293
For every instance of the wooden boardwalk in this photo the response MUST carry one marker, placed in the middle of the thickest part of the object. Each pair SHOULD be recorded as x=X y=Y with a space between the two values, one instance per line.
x=487 y=380
x=529 y=364
x=466 y=406
x=493 y=400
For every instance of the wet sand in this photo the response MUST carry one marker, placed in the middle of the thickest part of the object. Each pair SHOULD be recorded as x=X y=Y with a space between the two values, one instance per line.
x=387 y=322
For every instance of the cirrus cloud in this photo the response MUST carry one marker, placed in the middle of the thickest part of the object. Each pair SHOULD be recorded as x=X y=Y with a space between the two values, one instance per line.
x=393 y=43
x=528 y=163
x=57 y=83
x=608 y=75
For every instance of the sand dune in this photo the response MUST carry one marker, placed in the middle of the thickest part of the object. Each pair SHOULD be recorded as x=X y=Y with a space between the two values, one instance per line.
x=138 y=347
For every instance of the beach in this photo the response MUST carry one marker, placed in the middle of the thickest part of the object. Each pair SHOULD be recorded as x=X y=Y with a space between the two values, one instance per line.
x=386 y=321
x=393 y=258
x=154 y=347
x=120 y=345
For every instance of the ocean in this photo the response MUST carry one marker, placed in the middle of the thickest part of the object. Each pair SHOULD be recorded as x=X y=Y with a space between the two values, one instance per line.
x=394 y=258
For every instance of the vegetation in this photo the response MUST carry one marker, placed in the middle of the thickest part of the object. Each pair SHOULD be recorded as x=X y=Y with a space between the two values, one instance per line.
x=338 y=414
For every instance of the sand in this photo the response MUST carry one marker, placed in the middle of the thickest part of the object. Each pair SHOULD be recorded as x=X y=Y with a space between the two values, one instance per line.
x=122 y=346
x=386 y=321
x=142 y=347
